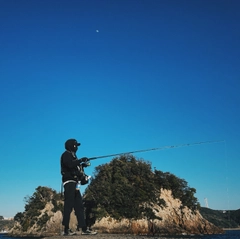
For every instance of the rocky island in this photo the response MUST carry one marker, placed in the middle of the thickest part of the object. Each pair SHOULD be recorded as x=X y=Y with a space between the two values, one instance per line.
x=128 y=198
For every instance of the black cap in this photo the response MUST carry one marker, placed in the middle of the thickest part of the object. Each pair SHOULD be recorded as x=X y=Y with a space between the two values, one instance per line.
x=70 y=143
x=76 y=142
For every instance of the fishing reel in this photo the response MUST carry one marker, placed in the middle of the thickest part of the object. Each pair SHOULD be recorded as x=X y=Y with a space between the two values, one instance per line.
x=85 y=179
x=86 y=164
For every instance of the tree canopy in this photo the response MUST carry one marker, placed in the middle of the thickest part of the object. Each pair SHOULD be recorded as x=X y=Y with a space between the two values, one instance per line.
x=128 y=188
x=34 y=204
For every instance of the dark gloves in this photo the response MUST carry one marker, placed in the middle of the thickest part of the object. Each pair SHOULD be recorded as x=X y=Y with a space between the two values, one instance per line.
x=83 y=160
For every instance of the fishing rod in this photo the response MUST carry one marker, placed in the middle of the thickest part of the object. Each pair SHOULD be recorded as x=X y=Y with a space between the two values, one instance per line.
x=159 y=148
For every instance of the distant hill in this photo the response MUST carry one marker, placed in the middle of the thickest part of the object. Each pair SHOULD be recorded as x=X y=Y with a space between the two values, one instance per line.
x=6 y=225
x=222 y=218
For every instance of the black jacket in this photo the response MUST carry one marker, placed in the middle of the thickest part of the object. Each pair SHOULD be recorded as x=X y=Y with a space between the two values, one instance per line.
x=71 y=168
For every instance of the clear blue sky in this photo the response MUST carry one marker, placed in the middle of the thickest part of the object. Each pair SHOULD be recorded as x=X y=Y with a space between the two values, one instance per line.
x=118 y=76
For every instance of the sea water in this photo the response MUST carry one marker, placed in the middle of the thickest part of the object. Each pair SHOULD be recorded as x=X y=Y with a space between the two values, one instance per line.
x=5 y=236
x=229 y=234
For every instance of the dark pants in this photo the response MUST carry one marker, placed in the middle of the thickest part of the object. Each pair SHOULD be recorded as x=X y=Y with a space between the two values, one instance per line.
x=73 y=200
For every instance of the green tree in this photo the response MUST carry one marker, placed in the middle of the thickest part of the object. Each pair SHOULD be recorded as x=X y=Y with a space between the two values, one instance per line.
x=179 y=188
x=35 y=203
x=128 y=188
x=18 y=217
x=124 y=188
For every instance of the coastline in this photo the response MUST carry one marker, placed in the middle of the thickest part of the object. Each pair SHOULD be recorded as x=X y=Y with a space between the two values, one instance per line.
x=109 y=236
x=231 y=229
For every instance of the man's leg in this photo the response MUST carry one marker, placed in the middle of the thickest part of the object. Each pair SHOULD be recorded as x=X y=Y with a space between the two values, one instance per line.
x=80 y=214
x=69 y=198
x=79 y=211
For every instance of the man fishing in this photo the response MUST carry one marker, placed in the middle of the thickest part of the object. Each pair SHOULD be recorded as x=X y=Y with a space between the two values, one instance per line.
x=72 y=170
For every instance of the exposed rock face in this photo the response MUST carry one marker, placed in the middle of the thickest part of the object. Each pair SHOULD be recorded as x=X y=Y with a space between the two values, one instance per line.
x=175 y=220
x=52 y=226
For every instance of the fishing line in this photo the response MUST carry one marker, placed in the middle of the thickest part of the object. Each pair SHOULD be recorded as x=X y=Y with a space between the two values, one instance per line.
x=227 y=189
x=159 y=148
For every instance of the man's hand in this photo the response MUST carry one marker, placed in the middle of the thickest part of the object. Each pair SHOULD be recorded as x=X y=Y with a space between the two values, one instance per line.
x=84 y=159
x=86 y=164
